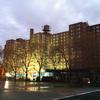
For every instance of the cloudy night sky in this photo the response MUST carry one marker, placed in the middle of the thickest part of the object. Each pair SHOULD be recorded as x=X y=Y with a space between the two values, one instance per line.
x=18 y=16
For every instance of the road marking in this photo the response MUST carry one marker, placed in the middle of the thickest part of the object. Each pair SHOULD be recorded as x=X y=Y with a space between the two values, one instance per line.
x=79 y=94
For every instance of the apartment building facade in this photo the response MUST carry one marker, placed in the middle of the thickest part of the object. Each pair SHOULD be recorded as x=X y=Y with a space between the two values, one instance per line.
x=78 y=48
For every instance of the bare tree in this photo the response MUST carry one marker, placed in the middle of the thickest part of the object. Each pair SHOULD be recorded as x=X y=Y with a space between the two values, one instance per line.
x=11 y=61
x=40 y=59
x=55 y=57
x=65 y=56
x=26 y=57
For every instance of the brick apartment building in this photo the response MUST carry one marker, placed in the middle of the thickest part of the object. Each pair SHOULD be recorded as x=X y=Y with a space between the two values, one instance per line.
x=76 y=49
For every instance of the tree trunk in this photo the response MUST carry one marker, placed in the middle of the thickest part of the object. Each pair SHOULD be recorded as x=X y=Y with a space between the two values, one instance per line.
x=39 y=77
x=15 y=76
x=66 y=65
x=26 y=74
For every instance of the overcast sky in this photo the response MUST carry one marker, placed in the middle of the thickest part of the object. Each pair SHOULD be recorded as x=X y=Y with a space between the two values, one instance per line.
x=17 y=16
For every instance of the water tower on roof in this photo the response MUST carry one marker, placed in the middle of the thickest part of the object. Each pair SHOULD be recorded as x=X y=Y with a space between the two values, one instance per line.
x=46 y=28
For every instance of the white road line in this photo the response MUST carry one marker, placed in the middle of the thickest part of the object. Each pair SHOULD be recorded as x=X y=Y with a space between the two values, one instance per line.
x=78 y=94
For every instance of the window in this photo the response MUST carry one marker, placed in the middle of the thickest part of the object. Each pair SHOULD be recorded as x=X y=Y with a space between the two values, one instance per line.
x=97 y=27
x=97 y=30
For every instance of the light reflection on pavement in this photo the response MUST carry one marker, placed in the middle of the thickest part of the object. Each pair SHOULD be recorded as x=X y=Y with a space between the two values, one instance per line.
x=60 y=88
x=26 y=86
x=37 y=90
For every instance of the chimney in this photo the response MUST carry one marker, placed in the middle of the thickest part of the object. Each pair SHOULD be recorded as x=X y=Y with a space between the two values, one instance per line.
x=31 y=32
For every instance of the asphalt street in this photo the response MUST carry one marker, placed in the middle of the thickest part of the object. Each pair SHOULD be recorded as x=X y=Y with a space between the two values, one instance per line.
x=38 y=91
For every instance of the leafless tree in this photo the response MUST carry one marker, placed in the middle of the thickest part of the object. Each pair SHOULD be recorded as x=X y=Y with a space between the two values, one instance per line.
x=11 y=61
x=55 y=57
x=39 y=56
x=65 y=56
x=26 y=57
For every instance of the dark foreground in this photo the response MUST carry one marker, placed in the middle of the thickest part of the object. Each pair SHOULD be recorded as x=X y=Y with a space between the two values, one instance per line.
x=94 y=95
x=43 y=91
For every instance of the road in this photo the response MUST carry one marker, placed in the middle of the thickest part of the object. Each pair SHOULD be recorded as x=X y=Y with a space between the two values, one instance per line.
x=37 y=91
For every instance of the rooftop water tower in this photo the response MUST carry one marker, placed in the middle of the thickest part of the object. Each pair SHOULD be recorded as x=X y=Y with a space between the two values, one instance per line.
x=46 y=28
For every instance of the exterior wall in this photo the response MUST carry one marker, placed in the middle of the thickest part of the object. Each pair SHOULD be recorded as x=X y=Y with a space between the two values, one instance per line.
x=96 y=31
x=78 y=48
x=80 y=45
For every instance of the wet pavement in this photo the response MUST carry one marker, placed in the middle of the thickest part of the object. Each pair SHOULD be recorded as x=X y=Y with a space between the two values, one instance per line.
x=10 y=90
